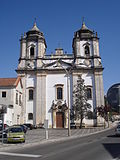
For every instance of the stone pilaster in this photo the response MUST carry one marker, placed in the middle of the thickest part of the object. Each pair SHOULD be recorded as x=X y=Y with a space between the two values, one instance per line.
x=66 y=119
x=40 y=98
x=41 y=48
x=96 y=47
x=54 y=118
x=99 y=90
x=22 y=48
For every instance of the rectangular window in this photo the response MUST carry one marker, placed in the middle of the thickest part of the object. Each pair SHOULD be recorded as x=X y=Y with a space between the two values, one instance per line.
x=3 y=94
x=30 y=116
x=89 y=93
x=59 y=93
x=20 y=102
x=31 y=94
x=16 y=98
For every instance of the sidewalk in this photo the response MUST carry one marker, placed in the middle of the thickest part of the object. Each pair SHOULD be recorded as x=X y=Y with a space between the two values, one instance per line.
x=37 y=136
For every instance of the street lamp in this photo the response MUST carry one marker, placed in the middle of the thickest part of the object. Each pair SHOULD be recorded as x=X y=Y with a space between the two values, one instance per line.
x=68 y=94
x=67 y=73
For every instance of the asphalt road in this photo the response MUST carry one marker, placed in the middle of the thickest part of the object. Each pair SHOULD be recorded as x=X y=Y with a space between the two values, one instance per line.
x=101 y=146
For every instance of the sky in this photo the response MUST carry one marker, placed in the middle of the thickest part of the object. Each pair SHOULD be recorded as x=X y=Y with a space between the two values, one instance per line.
x=58 y=20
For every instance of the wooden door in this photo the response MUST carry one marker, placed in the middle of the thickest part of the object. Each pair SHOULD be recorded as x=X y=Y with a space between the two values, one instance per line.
x=59 y=120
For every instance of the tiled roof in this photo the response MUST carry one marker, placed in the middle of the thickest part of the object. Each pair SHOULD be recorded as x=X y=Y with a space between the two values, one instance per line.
x=9 y=82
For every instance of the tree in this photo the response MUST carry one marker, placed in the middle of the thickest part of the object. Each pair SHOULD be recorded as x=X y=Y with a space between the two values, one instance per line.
x=103 y=111
x=80 y=105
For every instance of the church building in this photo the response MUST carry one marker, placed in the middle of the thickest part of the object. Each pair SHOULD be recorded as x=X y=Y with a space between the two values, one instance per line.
x=48 y=79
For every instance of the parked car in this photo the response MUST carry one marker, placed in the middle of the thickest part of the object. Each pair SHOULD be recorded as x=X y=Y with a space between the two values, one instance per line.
x=117 y=130
x=2 y=130
x=72 y=125
x=29 y=125
x=23 y=127
x=15 y=134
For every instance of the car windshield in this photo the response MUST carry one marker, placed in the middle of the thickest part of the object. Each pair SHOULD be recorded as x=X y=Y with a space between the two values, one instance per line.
x=14 y=130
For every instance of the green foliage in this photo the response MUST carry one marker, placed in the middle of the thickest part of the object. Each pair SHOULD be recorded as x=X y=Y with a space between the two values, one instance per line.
x=80 y=105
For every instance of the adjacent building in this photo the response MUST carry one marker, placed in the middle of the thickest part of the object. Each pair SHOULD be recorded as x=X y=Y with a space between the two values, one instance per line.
x=48 y=79
x=113 y=98
x=11 y=96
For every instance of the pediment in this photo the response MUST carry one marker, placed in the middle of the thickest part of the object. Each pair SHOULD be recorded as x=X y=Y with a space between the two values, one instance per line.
x=56 y=64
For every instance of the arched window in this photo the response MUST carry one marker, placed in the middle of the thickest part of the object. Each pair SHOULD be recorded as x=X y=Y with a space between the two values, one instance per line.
x=89 y=93
x=30 y=116
x=87 y=50
x=32 y=52
x=30 y=94
x=59 y=93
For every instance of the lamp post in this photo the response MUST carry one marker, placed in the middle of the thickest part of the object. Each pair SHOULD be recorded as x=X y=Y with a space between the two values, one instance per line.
x=68 y=99
x=69 y=131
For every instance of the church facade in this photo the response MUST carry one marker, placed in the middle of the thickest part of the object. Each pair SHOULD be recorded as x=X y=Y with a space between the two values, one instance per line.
x=48 y=80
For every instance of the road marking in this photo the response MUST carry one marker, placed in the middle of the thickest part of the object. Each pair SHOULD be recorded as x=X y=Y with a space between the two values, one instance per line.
x=20 y=155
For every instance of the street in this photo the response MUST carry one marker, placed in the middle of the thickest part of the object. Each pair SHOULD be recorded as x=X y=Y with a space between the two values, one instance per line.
x=100 y=146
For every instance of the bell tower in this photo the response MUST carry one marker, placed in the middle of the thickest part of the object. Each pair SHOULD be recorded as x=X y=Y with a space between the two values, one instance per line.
x=32 y=49
x=86 y=43
x=87 y=58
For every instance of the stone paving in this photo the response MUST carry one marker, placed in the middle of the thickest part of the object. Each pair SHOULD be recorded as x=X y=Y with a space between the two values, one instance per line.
x=37 y=136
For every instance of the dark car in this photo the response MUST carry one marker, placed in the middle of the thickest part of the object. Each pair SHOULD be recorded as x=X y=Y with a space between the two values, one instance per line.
x=2 y=130
x=117 y=130
x=72 y=125
x=29 y=125
x=24 y=128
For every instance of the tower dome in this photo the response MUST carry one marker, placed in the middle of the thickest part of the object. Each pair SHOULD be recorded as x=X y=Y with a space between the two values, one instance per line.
x=35 y=28
x=35 y=32
x=84 y=32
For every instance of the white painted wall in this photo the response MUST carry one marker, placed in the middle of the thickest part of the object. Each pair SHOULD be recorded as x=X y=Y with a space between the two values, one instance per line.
x=17 y=107
x=30 y=83
x=10 y=117
x=51 y=81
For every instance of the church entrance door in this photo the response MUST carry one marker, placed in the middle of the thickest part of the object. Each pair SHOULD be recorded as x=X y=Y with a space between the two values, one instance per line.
x=59 y=120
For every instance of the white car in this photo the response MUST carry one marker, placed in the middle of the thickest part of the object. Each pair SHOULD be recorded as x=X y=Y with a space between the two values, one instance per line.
x=117 y=130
